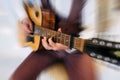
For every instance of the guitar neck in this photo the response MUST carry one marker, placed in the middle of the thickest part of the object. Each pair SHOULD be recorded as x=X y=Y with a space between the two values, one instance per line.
x=101 y=49
x=68 y=40
x=75 y=42
x=98 y=48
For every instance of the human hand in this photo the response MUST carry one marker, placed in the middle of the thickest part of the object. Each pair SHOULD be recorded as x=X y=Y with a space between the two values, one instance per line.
x=26 y=26
x=48 y=44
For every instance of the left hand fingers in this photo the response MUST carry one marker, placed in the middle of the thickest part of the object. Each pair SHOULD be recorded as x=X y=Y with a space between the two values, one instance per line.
x=51 y=43
x=59 y=30
x=56 y=46
x=45 y=44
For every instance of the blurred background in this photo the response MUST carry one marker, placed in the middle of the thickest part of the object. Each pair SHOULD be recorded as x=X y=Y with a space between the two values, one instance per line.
x=11 y=54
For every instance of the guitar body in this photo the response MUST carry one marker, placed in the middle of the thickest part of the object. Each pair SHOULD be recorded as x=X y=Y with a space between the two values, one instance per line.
x=40 y=18
x=32 y=41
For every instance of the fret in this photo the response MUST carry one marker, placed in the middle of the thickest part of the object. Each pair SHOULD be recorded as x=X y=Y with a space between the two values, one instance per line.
x=67 y=40
x=78 y=43
x=47 y=33
x=42 y=31
x=62 y=38
x=52 y=33
x=53 y=36
x=58 y=37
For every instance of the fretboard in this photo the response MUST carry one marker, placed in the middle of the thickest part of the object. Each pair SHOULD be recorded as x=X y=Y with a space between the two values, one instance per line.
x=65 y=39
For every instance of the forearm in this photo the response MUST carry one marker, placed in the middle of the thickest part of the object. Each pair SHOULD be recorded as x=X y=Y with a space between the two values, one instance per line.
x=70 y=28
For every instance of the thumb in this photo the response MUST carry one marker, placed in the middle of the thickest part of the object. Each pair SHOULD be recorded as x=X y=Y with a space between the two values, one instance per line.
x=59 y=29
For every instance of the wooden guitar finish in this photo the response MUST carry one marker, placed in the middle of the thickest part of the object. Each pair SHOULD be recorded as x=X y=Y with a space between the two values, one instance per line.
x=40 y=17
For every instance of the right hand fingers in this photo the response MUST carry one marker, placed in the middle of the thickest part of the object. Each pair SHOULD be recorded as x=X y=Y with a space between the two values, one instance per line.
x=26 y=30
x=27 y=26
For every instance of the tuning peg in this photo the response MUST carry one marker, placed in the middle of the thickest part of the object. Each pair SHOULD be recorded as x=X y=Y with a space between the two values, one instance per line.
x=114 y=61
x=109 y=44
x=102 y=43
x=107 y=59
x=92 y=54
x=117 y=45
x=94 y=41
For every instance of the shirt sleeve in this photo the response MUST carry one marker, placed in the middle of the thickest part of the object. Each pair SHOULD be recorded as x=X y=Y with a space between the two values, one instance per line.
x=18 y=7
x=89 y=19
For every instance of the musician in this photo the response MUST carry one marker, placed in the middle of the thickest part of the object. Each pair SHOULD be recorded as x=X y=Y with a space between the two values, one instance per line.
x=78 y=64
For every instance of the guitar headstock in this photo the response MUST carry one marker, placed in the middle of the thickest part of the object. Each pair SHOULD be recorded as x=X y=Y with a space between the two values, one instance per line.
x=105 y=43
x=105 y=50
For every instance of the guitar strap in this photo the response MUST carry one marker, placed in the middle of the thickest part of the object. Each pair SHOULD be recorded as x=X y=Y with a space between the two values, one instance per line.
x=72 y=24
x=46 y=4
x=76 y=10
